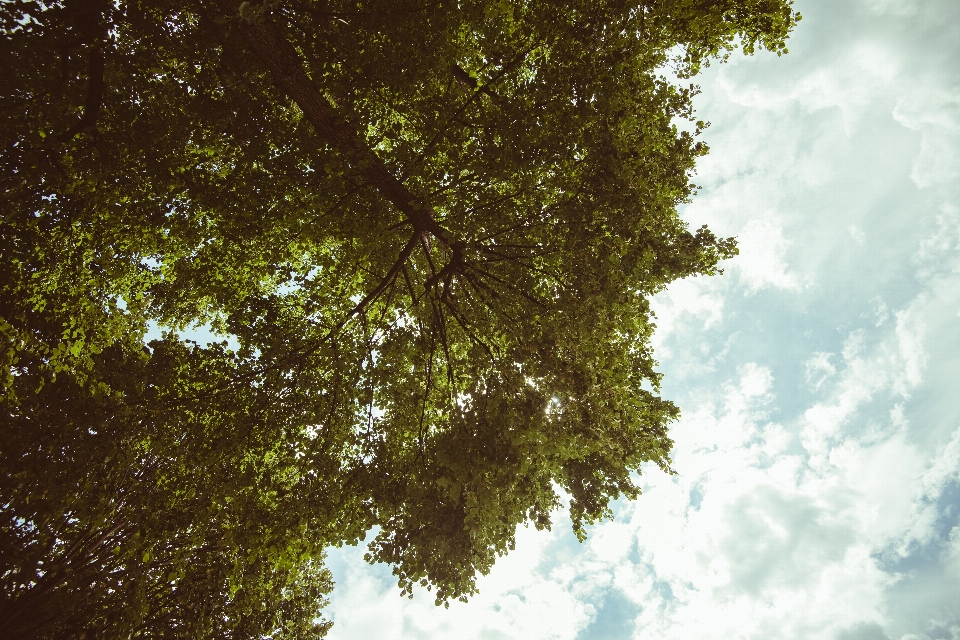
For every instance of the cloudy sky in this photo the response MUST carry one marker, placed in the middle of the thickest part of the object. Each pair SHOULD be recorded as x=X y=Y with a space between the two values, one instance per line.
x=818 y=493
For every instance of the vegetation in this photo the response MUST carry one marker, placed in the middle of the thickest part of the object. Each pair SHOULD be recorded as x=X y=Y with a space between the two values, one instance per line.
x=427 y=231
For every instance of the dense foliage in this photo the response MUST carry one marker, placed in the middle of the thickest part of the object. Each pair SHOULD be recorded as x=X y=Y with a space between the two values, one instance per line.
x=429 y=231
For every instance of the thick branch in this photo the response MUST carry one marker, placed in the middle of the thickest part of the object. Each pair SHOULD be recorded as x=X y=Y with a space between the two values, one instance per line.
x=388 y=279
x=86 y=18
x=285 y=65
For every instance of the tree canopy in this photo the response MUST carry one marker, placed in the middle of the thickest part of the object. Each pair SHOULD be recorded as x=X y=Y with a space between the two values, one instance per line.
x=429 y=230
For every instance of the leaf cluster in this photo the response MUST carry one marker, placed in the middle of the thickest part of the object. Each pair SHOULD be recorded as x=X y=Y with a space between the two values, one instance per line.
x=430 y=231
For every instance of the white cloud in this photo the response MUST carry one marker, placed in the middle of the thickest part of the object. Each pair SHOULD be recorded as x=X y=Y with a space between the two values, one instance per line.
x=762 y=259
x=898 y=8
x=859 y=69
x=755 y=381
x=895 y=365
x=819 y=368
x=779 y=546
x=698 y=297
x=939 y=253
x=924 y=514
x=857 y=234
x=880 y=311
x=909 y=331
x=935 y=112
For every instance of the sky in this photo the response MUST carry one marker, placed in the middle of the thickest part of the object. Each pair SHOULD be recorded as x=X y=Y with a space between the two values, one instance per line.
x=817 y=492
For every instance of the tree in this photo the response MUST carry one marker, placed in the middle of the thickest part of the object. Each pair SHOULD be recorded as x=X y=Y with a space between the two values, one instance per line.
x=430 y=230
